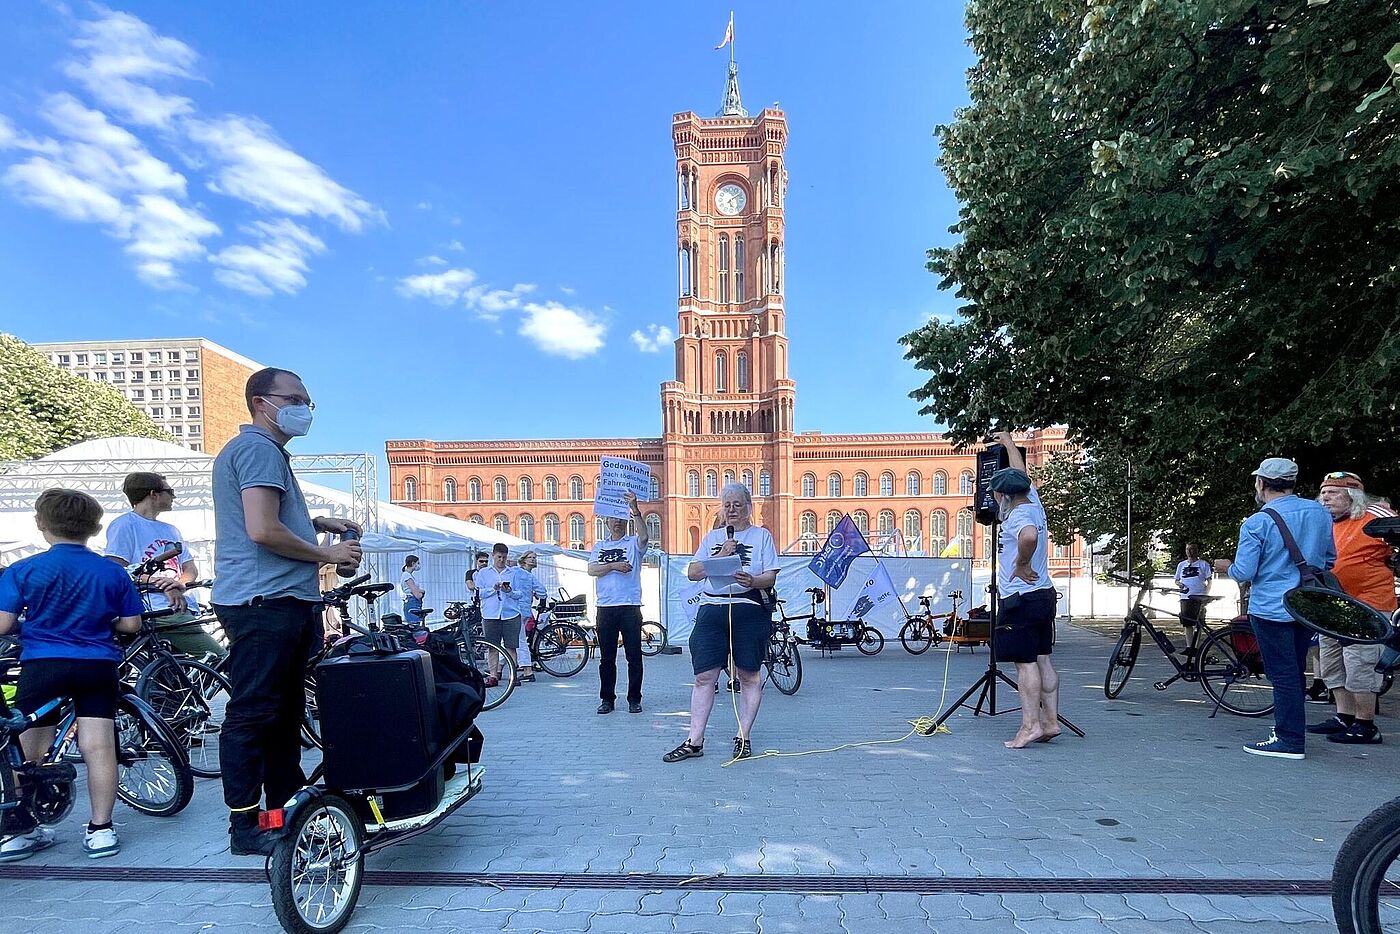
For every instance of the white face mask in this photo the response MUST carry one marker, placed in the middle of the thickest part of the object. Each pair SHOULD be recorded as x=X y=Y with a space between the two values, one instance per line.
x=294 y=420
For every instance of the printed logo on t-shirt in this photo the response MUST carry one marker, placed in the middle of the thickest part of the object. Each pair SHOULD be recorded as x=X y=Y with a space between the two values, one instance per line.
x=1190 y=571
x=742 y=550
x=159 y=545
x=612 y=555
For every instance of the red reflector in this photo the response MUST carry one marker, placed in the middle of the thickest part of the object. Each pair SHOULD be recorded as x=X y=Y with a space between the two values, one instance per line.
x=271 y=820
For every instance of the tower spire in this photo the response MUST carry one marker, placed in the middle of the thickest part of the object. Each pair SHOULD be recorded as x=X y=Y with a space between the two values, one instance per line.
x=732 y=106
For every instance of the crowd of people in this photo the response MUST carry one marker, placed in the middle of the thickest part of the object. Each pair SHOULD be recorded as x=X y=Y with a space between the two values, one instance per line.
x=267 y=595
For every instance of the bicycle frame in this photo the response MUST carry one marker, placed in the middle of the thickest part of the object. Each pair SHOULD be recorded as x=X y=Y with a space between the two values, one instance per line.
x=1181 y=661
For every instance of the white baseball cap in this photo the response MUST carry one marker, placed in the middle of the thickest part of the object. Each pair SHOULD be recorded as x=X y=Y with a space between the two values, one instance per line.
x=1277 y=468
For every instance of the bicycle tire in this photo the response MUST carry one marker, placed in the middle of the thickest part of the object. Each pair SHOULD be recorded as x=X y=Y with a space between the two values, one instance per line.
x=337 y=833
x=916 y=635
x=1220 y=669
x=1360 y=869
x=153 y=775
x=478 y=655
x=784 y=664
x=560 y=649
x=869 y=641
x=191 y=697
x=654 y=638
x=310 y=715
x=1124 y=657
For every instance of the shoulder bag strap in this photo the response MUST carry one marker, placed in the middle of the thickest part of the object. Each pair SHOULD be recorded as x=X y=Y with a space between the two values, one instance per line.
x=1290 y=543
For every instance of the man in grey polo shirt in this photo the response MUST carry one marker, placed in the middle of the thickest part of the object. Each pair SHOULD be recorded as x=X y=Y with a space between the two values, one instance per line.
x=266 y=593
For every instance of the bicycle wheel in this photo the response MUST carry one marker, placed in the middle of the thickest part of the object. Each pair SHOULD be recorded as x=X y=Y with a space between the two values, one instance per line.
x=1121 y=662
x=784 y=665
x=561 y=649
x=1366 y=877
x=916 y=635
x=153 y=775
x=318 y=868
x=310 y=715
x=191 y=698
x=478 y=655
x=869 y=641
x=653 y=638
x=1232 y=673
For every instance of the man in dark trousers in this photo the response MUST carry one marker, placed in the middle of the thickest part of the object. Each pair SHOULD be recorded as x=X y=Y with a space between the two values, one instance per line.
x=266 y=594
x=617 y=566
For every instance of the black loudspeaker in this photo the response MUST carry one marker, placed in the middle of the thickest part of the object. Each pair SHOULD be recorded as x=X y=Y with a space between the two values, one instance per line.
x=984 y=504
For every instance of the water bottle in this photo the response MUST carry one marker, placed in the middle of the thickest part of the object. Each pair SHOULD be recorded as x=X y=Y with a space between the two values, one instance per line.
x=348 y=570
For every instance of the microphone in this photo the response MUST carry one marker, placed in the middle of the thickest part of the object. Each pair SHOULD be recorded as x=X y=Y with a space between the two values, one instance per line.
x=729 y=531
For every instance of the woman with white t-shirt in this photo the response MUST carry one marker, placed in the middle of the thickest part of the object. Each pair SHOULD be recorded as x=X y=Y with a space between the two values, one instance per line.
x=411 y=592
x=733 y=626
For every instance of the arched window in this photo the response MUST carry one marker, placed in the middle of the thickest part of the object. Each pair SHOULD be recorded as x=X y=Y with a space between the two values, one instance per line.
x=861 y=485
x=728 y=477
x=723 y=268
x=474 y=489
x=746 y=478
x=498 y=487
x=527 y=489
x=775 y=262
x=886 y=521
x=500 y=523
x=940 y=484
x=721 y=372
x=410 y=489
x=692 y=484
x=600 y=529
x=477 y=518
x=527 y=528
x=886 y=484
x=965 y=533
x=913 y=526
x=862 y=521
x=833 y=519
x=684 y=185
x=449 y=490
x=911 y=483
x=987 y=541
x=576 y=530
x=654 y=528
x=551 y=528
x=711 y=483
x=965 y=484
x=809 y=485
x=833 y=485
x=575 y=488
x=937 y=533
x=685 y=269
x=655 y=489
x=765 y=483
x=551 y=489
x=738 y=268
x=741 y=365
x=809 y=531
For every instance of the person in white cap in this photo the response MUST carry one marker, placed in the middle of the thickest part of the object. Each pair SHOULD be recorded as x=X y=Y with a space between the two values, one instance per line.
x=1262 y=560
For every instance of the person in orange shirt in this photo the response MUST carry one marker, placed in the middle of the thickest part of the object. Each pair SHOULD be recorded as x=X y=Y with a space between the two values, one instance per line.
x=1363 y=570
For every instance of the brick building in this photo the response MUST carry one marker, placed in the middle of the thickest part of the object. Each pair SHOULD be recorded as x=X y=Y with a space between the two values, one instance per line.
x=191 y=387
x=729 y=412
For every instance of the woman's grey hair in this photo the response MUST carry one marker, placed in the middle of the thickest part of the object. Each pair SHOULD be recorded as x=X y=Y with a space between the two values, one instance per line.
x=1359 y=501
x=737 y=487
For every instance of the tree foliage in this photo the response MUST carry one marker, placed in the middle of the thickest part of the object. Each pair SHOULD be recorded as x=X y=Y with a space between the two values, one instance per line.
x=44 y=409
x=1178 y=236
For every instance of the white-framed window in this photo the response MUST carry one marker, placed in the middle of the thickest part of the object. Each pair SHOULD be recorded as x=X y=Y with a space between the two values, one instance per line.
x=500 y=523
x=913 y=525
x=410 y=489
x=196 y=446
x=653 y=527
x=138 y=394
x=551 y=493
x=154 y=375
x=885 y=522
x=498 y=489
x=721 y=372
x=765 y=483
x=886 y=484
x=474 y=489
x=965 y=533
x=156 y=356
x=177 y=411
x=551 y=528
x=527 y=528
x=861 y=487
x=118 y=358
x=82 y=359
x=862 y=520
x=157 y=393
x=808 y=528
x=911 y=483
x=195 y=430
x=576 y=531
x=600 y=529
x=175 y=392
x=99 y=359
x=746 y=478
x=685 y=268
x=937 y=533
x=655 y=492
x=190 y=375
x=965 y=483
x=738 y=268
x=101 y=376
x=833 y=485
x=157 y=411
x=193 y=393
x=527 y=489
x=174 y=375
x=63 y=359
x=449 y=490
x=118 y=376
x=833 y=519
x=728 y=477
x=137 y=376
x=194 y=411
x=741 y=366
x=176 y=430
x=191 y=356
x=576 y=488
x=711 y=483
x=723 y=269
x=692 y=484
x=809 y=484
x=940 y=484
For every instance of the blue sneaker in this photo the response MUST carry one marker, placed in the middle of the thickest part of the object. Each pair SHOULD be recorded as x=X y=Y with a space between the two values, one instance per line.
x=1273 y=747
x=24 y=845
x=100 y=843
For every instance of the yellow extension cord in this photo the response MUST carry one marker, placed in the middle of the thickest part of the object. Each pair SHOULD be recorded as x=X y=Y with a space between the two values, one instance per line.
x=920 y=726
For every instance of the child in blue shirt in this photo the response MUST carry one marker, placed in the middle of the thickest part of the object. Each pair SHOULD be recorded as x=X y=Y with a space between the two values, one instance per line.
x=73 y=600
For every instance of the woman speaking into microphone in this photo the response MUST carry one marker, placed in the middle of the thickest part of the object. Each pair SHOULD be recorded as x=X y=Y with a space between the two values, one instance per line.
x=733 y=625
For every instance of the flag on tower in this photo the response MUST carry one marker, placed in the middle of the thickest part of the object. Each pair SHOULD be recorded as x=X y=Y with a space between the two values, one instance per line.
x=728 y=33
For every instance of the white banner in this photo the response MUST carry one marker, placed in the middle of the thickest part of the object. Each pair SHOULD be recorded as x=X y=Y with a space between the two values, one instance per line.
x=618 y=476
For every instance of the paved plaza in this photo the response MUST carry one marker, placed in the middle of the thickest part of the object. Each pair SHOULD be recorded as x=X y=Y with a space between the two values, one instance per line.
x=1146 y=825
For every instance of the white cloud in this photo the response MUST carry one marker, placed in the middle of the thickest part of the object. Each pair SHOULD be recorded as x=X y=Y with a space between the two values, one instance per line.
x=425 y=205
x=277 y=262
x=120 y=56
x=433 y=260
x=567 y=289
x=105 y=152
x=257 y=167
x=562 y=331
x=164 y=233
x=456 y=246
x=444 y=287
x=653 y=339
x=42 y=182
x=491 y=303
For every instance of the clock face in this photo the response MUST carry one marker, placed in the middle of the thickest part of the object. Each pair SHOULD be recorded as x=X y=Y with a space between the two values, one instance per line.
x=730 y=200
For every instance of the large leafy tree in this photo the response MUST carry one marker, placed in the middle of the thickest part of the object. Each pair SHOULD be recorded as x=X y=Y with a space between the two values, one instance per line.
x=44 y=408
x=1179 y=236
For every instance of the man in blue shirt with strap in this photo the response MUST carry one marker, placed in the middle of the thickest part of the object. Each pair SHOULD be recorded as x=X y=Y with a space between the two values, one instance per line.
x=1263 y=562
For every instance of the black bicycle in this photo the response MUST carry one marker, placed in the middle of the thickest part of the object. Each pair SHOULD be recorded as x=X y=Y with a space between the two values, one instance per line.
x=783 y=662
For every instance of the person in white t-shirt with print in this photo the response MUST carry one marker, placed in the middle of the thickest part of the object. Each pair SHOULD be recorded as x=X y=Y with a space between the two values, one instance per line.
x=1193 y=578
x=616 y=564
x=1025 y=625
x=733 y=625
x=411 y=591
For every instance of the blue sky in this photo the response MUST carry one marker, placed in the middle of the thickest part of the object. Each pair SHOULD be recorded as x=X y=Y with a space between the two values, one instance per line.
x=280 y=178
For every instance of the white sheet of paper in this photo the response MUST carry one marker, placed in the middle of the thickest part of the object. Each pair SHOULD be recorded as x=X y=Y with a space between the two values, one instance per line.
x=721 y=571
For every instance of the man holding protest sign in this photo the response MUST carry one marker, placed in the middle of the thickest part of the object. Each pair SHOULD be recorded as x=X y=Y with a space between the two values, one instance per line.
x=617 y=566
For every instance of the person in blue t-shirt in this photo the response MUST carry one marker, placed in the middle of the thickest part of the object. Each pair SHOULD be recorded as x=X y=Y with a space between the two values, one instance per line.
x=73 y=600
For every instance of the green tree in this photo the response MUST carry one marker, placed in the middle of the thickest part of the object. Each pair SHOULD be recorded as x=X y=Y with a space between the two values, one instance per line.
x=1178 y=236
x=44 y=408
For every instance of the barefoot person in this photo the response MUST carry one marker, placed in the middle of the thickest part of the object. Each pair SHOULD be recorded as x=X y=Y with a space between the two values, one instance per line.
x=1025 y=629
x=733 y=626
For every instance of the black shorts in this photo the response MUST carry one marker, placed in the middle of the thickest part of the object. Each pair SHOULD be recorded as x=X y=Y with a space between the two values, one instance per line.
x=90 y=682
x=1026 y=629
x=710 y=644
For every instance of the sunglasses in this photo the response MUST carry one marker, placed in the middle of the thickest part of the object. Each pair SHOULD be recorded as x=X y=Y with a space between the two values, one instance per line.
x=1339 y=475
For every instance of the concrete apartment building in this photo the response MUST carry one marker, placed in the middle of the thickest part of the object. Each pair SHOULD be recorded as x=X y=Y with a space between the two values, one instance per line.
x=191 y=387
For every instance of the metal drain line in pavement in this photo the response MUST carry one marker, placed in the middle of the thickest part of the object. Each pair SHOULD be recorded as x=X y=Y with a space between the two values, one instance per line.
x=789 y=884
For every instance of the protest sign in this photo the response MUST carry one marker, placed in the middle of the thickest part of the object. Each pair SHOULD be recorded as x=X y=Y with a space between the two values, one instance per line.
x=616 y=477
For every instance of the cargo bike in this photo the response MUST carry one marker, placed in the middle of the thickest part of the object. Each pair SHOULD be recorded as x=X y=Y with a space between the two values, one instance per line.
x=400 y=755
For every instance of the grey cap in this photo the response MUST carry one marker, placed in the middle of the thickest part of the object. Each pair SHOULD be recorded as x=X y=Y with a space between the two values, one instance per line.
x=1277 y=468
x=1009 y=480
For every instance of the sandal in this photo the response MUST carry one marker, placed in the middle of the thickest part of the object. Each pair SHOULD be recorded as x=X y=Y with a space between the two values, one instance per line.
x=686 y=750
x=742 y=748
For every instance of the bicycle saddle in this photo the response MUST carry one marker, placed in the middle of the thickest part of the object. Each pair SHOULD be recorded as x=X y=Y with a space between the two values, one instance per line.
x=372 y=590
x=422 y=613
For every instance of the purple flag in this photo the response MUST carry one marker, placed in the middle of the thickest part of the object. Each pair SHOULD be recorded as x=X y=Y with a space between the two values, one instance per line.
x=843 y=546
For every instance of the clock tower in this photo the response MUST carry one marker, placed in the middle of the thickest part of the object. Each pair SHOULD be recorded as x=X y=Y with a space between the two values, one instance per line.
x=731 y=402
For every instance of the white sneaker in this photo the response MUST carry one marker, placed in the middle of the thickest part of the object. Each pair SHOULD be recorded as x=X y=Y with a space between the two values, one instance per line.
x=100 y=843
x=24 y=845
